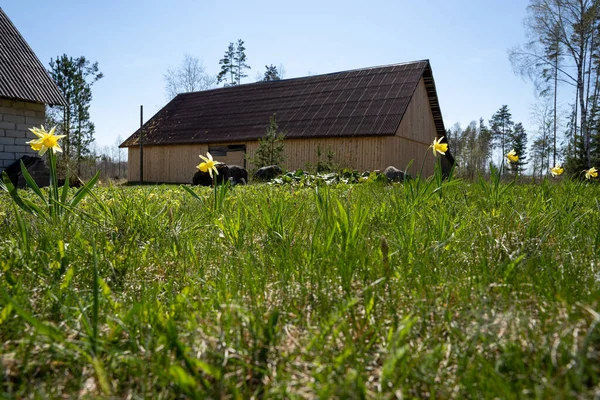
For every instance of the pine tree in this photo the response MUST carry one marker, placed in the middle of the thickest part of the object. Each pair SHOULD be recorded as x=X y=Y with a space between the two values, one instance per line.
x=518 y=142
x=233 y=64
x=270 y=149
x=74 y=78
x=239 y=60
x=271 y=73
x=501 y=126
x=228 y=72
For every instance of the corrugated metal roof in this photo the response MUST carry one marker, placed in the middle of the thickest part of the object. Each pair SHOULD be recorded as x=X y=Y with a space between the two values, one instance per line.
x=22 y=75
x=364 y=102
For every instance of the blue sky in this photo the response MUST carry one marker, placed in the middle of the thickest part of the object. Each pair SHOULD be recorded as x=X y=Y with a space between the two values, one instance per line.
x=136 y=41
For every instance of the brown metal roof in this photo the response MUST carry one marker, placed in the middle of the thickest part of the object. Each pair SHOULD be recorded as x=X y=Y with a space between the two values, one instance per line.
x=22 y=75
x=364 y=102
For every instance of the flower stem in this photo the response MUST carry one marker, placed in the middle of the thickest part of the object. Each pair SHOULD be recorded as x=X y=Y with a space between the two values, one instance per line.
x=53 y=195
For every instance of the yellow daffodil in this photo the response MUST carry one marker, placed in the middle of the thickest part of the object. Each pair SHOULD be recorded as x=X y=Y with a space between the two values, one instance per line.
x=557 y=170
x=45 y=141
x=512 y=156
x=439 y=147
x=36 y=146
x=591 y=173
x=209 y=165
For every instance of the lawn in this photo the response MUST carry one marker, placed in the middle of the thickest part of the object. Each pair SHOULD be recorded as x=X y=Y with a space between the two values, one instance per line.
x=471 y=290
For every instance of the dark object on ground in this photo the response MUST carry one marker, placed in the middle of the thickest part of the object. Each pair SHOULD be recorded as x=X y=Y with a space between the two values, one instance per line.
x=36 y=168
x=395 y=175
x=268 y=173
x=203 y=178
x=74 y=182
x=238 y=175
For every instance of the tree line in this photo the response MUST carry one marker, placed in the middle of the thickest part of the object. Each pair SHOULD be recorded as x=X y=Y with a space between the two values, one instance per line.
x=473 y=147
x=562 y=59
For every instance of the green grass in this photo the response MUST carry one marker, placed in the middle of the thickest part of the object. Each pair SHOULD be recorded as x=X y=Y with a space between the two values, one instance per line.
x=347 y=291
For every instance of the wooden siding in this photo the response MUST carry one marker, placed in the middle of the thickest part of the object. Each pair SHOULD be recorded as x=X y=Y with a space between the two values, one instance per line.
x=177 y=163
x=356 y=153
x=172 y=164
x=416 y=133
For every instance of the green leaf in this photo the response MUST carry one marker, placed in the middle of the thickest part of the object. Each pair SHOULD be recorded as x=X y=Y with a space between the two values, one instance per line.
x=208 y=369
x=35 y=209
x=12 y=190
x=181 y=377
x=65 y=191
x=22 y=228
x=5 y=313
x=31 y=183
x=85 y=189
x=190 y=191
x=101 y=375
x=66 y=281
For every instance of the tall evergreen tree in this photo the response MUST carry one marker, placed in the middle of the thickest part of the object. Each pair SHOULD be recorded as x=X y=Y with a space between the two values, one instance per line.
x=501 y=126
x=233 y=64
x=271 y=73
x=74 y=77
x=518 y=142
x=228 y=72
x=239 y=59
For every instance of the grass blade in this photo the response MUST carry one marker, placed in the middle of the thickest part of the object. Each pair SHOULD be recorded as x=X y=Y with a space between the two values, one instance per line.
x=85 y=189
x=190 y=191
x=12 y=190
x=31 y=183
x=65 y=191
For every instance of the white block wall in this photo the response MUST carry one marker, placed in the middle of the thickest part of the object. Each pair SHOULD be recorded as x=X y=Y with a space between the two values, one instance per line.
x=16 y=117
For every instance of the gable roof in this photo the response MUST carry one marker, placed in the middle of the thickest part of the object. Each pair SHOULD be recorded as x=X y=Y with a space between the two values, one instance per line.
x=22 y=75
x=363 y=102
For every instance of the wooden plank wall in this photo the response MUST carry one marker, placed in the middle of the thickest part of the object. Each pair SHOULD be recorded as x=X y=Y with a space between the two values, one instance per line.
x=362 y=153
x=416 y=133
x=173 y=164
x=232 y=158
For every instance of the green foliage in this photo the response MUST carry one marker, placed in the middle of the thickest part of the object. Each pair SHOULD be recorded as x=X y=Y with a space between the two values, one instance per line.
x=271 y=148
x=283 y=291
x=304 y=179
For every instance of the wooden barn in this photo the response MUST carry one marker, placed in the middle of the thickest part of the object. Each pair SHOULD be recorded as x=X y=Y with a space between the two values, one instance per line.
x=368 y=118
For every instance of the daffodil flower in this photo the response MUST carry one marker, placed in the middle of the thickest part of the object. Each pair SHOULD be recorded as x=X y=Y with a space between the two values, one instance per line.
x=591 y=173
x=209 y=165
x=45 y=141
x=439 y=147
x=512 y=156
x=557 y=170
